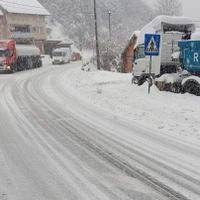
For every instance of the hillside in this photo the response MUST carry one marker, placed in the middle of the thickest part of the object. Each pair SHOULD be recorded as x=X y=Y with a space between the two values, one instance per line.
x=77 y=18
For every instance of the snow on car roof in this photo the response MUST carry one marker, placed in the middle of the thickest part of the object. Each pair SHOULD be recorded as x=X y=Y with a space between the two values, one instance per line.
x=32 y=7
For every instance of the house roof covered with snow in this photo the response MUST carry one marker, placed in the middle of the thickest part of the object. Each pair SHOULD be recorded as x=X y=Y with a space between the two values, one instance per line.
x=32 y=7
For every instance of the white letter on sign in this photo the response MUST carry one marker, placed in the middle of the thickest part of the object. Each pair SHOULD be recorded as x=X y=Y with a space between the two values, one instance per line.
x=196 y=57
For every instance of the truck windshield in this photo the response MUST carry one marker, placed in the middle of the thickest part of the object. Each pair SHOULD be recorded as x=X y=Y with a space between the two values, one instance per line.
x=140 y=52
x=57 y=54
x=4 y=53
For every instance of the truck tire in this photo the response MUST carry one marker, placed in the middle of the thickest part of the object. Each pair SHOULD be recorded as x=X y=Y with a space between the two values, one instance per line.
x=134 y=80
x=40 y=63
x=142 y=79
x=14 y=68
x=192 y=87
x=30 y=63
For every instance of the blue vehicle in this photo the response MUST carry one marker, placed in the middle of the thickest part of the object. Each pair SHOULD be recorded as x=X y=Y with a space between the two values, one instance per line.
x=190 y=56
x=190 y=61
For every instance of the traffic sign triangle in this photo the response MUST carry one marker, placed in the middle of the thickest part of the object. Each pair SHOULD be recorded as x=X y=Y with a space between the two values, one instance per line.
x=152 y=46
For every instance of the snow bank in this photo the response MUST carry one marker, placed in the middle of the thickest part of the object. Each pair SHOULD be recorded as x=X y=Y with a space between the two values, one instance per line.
x=168 y=113
x=168 y=78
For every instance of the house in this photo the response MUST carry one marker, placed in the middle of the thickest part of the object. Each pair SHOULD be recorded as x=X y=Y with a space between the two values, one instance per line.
x=24 y=21
x=127 y=55
x=50 y=45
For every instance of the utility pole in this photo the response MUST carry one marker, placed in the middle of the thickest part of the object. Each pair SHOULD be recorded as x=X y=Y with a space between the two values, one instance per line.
x=97 y=39
x=109 y=16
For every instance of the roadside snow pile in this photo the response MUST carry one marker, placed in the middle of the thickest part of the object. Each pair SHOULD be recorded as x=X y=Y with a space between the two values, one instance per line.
x=86 y=58
x=168 y=78
x=165 y=112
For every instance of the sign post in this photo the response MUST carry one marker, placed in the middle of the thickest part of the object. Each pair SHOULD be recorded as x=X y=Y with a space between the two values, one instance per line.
x=150 y=67
x=152 y=48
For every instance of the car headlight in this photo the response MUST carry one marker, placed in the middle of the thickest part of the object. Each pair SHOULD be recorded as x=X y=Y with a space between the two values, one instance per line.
x=7 y=67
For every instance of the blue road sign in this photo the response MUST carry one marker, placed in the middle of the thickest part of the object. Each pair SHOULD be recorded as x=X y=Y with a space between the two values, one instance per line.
x=152 y=45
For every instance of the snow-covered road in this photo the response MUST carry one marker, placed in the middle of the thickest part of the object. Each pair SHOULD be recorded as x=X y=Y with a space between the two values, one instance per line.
x=56 y=145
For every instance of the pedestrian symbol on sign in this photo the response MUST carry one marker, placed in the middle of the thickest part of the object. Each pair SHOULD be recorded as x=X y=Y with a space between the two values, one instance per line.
x=152 y=44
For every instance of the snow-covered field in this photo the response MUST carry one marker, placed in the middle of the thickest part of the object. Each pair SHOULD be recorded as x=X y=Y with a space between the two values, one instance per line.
x=169 y=113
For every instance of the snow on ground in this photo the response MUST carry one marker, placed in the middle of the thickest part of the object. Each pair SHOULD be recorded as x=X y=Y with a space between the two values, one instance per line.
x=169 y=113
x=86 y=56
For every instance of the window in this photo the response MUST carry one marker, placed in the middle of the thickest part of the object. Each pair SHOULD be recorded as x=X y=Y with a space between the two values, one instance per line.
x=140 y=52
x=4 y=53
x=57 y=53
x=20 y=28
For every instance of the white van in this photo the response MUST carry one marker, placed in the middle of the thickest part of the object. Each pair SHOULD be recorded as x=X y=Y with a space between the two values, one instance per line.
x=61 y=56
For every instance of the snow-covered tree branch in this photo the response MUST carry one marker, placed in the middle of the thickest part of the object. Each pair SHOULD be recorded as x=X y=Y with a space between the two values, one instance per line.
x=168 y=7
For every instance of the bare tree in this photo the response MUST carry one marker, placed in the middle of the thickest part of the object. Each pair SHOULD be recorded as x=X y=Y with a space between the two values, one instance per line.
x=168 y=7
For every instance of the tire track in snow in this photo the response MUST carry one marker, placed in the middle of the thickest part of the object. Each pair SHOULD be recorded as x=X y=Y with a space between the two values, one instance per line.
x=52 y=127
x=138 y=173
x=24 y=108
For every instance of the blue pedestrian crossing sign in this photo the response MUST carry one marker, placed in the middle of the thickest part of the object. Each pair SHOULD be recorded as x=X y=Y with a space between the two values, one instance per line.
x=152 y=44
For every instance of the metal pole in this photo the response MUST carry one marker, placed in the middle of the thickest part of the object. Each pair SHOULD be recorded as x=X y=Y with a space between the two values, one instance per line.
x=109 y=15
x=150 y=67
x=96 y=34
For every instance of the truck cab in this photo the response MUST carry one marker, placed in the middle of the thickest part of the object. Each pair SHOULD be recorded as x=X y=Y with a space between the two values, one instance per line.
x=18 y=57
x=171 y=30
x=141 y=64
x=7 y=55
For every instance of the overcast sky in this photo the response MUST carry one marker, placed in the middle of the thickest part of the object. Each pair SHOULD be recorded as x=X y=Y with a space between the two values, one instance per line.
x=191 y=8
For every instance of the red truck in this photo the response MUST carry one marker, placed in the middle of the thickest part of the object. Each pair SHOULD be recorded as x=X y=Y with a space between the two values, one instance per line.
x=15 y=57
